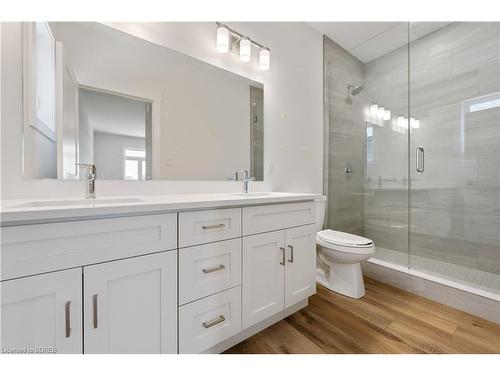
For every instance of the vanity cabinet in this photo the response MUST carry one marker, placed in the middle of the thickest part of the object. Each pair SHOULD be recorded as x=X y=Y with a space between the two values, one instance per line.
x=43 y=314
x=130 y=306
x=187 y=282
x=278 y=272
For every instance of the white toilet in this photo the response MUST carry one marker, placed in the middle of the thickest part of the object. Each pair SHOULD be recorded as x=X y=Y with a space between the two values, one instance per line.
x=339 y=257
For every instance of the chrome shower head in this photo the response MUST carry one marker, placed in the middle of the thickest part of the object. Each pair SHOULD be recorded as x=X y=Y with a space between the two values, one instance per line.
x=354 y=91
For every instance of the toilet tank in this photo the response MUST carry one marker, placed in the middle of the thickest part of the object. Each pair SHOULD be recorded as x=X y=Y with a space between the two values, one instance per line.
x=320 y=212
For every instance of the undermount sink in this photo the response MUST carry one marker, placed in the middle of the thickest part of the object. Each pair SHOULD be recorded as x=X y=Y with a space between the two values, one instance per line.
x=78 y=202
x=252 y=195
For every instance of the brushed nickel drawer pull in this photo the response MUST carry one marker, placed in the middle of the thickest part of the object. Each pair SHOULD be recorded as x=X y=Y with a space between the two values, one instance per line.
x=283 y=256
x=220 y=319
x=291 y=254
x=67 y=307
x=215 y=269
x=94 y=300
x=214 y=226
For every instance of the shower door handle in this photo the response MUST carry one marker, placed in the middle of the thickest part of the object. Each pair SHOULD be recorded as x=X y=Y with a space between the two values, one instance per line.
x=420 y=159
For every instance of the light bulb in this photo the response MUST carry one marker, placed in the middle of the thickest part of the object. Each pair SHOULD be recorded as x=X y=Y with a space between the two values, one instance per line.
x=414 y=123
x=387 y=114
x=264 y=59
x=222 y=39
x=381 y=112
x=245 y=49
x=401 y=121
x=374 y=109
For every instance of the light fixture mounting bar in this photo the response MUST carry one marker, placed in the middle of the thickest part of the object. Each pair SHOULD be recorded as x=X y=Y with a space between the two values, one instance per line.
x=240 y=35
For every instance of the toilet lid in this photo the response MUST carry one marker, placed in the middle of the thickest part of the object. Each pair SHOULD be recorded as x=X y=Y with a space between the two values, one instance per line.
x=344 y=239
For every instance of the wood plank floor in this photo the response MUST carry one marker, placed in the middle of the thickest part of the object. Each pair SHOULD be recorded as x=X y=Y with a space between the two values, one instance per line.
x=385 y=320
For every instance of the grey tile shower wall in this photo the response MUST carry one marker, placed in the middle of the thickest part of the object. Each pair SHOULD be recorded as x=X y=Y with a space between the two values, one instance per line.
x=346 y=139
x=455 y=215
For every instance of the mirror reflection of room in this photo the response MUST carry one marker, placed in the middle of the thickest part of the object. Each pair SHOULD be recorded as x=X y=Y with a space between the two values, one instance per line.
x=101 y=96
x=115 y=133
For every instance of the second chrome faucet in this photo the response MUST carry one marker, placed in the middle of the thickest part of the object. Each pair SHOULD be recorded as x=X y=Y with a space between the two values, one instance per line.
x=90 y=178
x=246 y=179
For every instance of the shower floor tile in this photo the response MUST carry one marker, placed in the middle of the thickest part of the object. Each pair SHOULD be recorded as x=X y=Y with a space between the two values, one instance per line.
x=472 y=277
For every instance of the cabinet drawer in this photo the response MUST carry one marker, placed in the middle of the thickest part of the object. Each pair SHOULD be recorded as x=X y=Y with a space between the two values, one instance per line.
x=200 y=227
x=208 y=269
x=261 y=219
x=209 y=321
x=33 y=249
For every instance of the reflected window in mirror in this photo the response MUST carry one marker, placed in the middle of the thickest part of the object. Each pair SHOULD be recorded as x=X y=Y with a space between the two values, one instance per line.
x=134 y=164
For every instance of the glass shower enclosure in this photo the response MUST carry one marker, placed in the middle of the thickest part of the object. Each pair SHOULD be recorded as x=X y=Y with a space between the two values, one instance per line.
x=412 y=119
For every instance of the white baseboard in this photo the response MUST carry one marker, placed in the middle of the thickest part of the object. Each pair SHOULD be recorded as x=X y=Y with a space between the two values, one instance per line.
x=483 y=307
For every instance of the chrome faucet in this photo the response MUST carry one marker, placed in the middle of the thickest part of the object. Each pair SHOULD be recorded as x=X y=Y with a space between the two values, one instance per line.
x=246 y=180
x=90 y=177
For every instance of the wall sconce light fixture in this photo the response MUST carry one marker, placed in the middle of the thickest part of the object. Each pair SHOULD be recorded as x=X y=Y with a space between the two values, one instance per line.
x=231 y=40
x=222 y=38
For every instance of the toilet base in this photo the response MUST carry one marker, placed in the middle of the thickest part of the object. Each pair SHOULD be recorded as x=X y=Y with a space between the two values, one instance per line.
x=345 y=279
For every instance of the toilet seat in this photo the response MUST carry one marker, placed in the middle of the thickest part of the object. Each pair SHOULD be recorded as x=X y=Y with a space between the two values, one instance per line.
x=344 y=242
x=343 y=239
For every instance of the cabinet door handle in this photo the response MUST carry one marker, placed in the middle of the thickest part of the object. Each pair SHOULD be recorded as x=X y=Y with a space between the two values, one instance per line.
x=214 y=226
x=67 y=311
x=94 y=309
x=291 y=254
x=215 y=269
x=283 y=256
x=220 y=319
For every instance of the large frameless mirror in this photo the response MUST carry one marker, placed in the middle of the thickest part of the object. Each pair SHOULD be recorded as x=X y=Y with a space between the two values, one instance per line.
x=135 y=109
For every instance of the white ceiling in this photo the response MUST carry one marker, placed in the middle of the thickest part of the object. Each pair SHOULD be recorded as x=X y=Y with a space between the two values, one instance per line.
x=114 y=114
x=370 y=40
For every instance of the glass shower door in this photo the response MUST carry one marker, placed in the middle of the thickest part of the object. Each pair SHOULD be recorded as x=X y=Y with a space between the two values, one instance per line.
x=454 y=153
x=386 y=151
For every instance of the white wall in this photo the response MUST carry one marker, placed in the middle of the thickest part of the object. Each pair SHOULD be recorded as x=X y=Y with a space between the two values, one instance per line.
x=292 y=108
x=108 y=153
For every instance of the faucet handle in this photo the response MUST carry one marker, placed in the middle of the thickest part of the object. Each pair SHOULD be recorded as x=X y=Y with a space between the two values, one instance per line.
x=91 y=168
x=246 y=176
x=86 y=165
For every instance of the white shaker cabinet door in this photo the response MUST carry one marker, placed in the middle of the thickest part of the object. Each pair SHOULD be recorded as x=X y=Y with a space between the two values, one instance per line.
x=130 y=305
x=300 y=281
x=42 y=314
x=263 y=276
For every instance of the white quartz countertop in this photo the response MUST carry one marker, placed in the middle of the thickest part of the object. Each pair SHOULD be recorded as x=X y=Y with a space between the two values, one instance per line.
x=18 y=212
